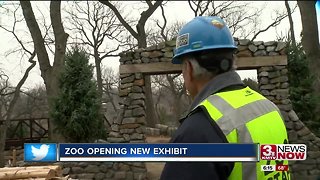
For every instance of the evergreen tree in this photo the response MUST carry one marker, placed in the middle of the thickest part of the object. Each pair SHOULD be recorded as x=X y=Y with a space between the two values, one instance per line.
x=303 y=98
x=76 y=109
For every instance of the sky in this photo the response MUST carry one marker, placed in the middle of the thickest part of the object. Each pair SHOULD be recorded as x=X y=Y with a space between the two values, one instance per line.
x=175 y=11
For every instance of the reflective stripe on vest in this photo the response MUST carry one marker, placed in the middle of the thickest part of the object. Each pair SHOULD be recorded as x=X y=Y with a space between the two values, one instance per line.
x=245 y=116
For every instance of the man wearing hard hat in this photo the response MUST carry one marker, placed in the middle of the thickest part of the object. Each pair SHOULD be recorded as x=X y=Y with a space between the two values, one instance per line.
x=223 y=110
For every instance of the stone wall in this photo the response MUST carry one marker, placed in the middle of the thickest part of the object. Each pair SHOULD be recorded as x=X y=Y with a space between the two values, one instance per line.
x=259 y=48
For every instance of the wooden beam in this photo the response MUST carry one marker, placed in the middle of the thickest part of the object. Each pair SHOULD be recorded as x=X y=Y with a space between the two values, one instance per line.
x=242 y=63
x=151 y=68
x=259 y=61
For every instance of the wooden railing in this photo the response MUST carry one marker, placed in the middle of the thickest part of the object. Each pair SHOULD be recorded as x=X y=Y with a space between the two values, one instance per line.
x=26 y=131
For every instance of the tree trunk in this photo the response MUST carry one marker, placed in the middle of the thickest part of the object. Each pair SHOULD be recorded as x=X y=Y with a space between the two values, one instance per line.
x=293 y=39
x=99 y=76
x=310 y=41
x=50 y=74
x=151 y=116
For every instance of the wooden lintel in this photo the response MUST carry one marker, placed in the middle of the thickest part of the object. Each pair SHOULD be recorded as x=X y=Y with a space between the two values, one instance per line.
x=151 y=68
x=167 y=67
x=260 y=61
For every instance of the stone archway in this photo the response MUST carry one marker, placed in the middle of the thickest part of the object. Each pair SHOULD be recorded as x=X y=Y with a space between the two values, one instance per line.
x=268 y=58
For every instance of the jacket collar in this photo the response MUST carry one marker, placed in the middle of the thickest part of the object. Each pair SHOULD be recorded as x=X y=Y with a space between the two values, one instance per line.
x=215 y=85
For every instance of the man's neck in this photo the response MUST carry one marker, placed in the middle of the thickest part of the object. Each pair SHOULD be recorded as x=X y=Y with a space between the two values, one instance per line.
x=199 y=85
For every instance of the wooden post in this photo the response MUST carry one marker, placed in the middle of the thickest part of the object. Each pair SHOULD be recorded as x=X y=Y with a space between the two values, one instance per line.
x=14 y=157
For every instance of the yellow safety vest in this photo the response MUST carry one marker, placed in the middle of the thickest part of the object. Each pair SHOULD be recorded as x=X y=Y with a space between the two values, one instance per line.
x=245 y=116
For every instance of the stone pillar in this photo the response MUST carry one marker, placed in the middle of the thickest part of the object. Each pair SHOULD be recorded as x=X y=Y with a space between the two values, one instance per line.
x=128 y=127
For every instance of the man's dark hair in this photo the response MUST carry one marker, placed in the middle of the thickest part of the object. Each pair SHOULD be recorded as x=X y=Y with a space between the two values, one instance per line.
x=215 y=60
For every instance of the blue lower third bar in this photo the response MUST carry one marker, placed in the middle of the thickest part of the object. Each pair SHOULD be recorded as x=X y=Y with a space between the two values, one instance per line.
x=159 y=152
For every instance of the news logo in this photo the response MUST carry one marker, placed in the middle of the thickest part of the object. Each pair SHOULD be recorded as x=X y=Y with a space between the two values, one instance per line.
x=37 y=152
x=283 y=152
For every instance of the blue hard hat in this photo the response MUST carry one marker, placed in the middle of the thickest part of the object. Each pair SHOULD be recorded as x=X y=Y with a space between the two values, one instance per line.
x=203 y=33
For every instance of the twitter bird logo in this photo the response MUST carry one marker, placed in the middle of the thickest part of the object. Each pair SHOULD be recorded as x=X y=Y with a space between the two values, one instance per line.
x=40 y=152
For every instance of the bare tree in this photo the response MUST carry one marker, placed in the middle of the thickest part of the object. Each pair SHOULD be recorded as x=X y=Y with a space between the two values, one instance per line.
x=110 y=87
x=141 y=36
x=165 y=31
x=199 y=8
x=49 y=73
x=32 y=103
x=174 y=90
x=276 y=21
x=96 y=24
x=238 y=15
x=140 y=33
x=310 y=41
x=15 y=92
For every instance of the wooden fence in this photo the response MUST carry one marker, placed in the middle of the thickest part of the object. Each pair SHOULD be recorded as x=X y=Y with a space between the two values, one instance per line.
x=22 y=131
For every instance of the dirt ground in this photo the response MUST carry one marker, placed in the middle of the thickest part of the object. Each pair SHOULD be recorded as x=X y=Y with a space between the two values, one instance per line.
x=155 y=168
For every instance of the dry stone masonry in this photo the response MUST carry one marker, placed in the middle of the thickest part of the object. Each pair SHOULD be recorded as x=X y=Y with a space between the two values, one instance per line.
x=259 y=48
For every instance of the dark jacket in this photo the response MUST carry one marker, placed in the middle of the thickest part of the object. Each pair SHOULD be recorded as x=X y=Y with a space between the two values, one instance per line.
x=198 y=127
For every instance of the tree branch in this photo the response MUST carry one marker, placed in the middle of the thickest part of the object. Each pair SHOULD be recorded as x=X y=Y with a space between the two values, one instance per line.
x=275 y=23
x=37 y=37
x=123 y=22
x=18 y=87
x=162 y=28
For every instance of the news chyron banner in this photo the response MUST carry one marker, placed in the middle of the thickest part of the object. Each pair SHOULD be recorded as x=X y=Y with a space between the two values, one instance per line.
x=143 y=152
x=191 y=152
